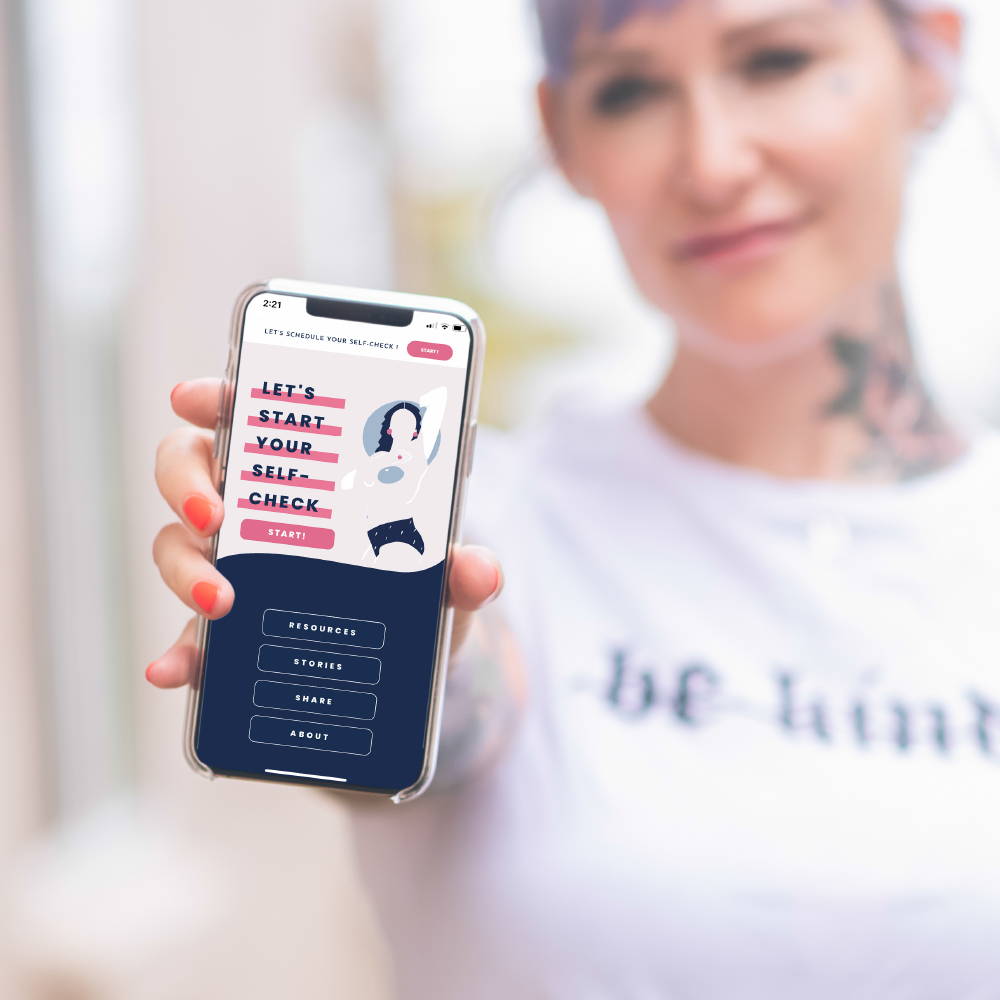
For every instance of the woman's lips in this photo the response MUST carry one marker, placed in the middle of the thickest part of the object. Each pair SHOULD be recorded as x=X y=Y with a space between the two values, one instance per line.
x=738 y=245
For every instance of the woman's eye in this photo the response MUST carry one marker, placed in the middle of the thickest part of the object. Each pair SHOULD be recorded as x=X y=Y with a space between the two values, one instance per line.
x=624 y=93
x=768 y=63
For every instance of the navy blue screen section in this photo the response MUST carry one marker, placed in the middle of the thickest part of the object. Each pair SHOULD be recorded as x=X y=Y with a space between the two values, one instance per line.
x=314 y=713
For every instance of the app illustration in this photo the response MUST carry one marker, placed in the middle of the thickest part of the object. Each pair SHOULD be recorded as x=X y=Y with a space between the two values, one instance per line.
x=400 y=439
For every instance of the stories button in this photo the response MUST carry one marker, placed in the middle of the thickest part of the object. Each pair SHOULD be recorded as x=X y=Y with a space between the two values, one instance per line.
x=319 y=663
x=286 y=534
x=310 y=735
x=425 y=349
x=323 y=628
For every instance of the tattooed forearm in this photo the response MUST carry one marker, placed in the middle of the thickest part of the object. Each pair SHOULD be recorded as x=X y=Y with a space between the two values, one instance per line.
x=904 y=434
x=483 y=700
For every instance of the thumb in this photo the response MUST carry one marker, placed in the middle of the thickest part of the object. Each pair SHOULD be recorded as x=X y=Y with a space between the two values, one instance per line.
x=475 y=579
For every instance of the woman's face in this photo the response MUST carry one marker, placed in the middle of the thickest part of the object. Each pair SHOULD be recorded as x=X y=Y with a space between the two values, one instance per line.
x=750 y=154
x=402 y=426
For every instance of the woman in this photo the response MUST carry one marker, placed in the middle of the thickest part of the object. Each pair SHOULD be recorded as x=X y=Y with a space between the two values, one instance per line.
x=394 y=471
x=741 y=736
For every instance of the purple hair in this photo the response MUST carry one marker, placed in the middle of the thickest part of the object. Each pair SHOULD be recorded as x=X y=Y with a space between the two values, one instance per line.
x=561 y=20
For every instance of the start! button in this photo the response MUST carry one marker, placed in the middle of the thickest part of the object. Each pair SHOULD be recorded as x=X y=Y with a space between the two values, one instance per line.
x=286 y=534
x=425 y=349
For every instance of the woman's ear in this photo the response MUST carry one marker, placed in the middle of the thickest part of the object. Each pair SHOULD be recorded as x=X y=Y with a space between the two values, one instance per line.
x=938 y=33
x=550 y=111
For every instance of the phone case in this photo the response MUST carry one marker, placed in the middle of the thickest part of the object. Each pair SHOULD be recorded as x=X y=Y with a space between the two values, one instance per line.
x=466 y=444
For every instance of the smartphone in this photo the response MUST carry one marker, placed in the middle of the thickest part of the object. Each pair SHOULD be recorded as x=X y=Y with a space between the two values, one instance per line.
x=345 y=437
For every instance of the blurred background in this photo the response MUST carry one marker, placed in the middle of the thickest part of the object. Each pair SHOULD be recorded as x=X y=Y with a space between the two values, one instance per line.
x=156 y=158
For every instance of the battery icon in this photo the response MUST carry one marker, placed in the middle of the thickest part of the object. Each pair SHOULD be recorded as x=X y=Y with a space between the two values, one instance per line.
x=457 y=327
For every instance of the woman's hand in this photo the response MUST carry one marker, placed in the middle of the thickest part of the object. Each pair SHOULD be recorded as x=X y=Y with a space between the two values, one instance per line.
x=184 y=477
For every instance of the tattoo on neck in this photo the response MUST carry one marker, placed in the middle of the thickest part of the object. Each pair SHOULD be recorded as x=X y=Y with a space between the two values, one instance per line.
x=905 y=434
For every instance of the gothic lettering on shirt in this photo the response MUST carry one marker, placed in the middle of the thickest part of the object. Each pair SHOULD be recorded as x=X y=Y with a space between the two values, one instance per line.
x=695 y=695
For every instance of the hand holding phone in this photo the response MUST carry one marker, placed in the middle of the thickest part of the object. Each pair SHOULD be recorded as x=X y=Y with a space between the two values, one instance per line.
x=394 y=544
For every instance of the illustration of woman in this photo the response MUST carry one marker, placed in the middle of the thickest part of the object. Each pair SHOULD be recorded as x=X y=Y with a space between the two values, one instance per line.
x=407 y=439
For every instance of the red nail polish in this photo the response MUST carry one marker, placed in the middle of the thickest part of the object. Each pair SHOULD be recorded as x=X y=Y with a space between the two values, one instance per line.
x=198 y=511
x=174 y=391
x=148 y=669
x=205 y=595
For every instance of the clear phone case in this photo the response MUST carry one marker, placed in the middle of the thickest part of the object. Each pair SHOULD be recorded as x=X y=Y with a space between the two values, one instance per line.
x=466 y=443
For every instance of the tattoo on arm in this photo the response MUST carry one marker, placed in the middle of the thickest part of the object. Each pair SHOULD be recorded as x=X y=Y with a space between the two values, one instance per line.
x=483 y=700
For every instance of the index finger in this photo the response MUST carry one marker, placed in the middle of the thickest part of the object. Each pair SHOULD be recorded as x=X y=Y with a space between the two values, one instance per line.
x=197 y=401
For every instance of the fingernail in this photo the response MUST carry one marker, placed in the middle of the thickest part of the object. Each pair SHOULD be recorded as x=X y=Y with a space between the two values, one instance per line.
x=149 y=670
x=498 y=586
x=205 y=595
x=198 y=511
x=173 y=392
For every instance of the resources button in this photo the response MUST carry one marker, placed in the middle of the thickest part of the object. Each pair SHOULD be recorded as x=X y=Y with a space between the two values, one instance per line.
x=323 y=628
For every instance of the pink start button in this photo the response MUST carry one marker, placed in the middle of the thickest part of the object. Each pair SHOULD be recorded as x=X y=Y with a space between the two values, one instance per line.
x=287 y=534
x=425 y=349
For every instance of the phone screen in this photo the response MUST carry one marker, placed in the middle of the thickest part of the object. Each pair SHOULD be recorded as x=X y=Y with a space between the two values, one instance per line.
x=339 y=476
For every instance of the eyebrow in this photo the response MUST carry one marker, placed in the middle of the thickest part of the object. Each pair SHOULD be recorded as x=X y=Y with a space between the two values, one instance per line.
x=741 y=32
x=733 y=37
x=603 y=53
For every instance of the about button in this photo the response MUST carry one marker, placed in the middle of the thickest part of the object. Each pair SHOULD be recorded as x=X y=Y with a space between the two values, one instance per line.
x=310 y=735
x=425 y=349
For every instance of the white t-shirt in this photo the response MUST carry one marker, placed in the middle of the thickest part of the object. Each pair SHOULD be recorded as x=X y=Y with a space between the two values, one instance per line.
x=761 y=754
